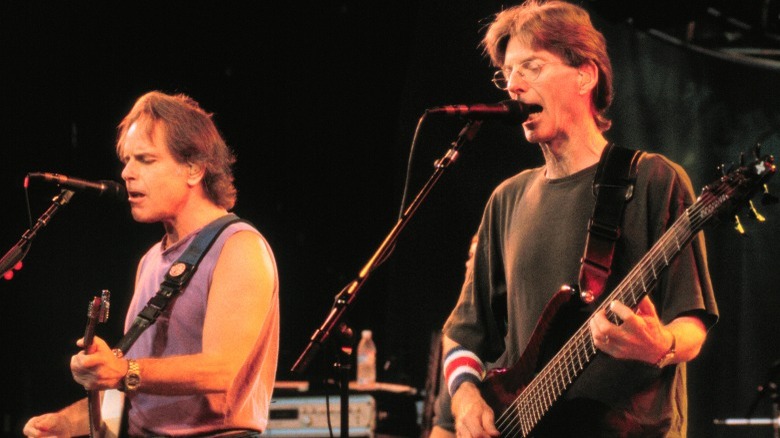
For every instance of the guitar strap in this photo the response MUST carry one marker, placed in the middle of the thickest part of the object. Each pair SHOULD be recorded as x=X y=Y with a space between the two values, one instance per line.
x=613 y=187
x=176 y=279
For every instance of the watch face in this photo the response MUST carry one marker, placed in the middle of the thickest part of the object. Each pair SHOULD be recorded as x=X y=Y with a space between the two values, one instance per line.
x=133 y=377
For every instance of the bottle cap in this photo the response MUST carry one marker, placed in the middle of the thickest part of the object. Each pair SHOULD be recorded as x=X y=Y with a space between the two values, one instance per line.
x=366 y=333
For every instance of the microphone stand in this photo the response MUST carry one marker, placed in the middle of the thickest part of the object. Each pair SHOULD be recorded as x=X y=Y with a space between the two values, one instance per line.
x=347 y=295
x=771 y=388
x=19 y=251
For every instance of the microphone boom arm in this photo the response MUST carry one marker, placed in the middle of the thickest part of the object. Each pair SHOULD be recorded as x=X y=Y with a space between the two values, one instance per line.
x=19 y=251
x=347 y=295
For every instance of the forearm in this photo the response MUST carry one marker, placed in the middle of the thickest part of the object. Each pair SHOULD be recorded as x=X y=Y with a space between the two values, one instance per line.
x=182 y=375
x=689 y=333
x=473 y=417
x=77 y=415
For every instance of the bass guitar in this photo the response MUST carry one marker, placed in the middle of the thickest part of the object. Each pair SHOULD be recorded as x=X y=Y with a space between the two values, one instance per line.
x=520 y=396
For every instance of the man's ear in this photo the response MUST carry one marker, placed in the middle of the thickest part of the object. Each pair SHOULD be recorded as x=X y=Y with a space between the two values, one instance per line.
x=587 y=77
x=196 y=171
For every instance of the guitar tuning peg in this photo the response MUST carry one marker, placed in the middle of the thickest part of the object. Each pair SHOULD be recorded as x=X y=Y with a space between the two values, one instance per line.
x=752 y=212
x=722 y=169
x=738 y=225
x=757 y=151
x=768 y=198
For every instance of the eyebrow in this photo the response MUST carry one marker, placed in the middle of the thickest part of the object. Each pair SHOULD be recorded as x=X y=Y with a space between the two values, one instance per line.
x=137 y=155
x=523 y=61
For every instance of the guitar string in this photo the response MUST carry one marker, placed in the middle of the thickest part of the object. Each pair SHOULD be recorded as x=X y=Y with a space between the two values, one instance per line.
x=691 y=220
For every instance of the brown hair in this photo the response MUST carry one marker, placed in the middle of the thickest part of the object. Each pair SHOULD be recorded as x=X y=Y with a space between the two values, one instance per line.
x=191 y=136
x=563 y=29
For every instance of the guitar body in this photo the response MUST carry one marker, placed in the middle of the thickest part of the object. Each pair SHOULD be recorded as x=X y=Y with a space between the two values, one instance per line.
x=503 y=386
x=111 y=412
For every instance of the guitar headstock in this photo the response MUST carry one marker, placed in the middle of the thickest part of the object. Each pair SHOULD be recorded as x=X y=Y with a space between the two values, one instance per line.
x=99 y=307
x=96 y=313
x=105 y=305
x=736 y=188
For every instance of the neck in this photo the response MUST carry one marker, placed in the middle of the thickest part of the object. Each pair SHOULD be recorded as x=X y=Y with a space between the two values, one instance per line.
x=190 y=219
x=568 y=155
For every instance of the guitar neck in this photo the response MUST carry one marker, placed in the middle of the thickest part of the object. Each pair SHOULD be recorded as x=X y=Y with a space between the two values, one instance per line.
x=97 y=313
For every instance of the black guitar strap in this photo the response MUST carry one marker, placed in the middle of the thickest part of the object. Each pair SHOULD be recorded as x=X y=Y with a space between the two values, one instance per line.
x=176 y=279
x=613 y=187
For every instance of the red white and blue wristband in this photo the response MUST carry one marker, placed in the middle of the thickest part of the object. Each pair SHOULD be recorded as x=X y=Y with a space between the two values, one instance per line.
x=460 y=366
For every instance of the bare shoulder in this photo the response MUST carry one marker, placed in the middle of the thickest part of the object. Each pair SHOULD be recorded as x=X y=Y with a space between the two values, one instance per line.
x=249 y=246
x=246 y=259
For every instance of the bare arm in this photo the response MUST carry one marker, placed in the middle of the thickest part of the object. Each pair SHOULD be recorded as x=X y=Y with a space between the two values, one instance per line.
x=239 y=299
x=70 y=421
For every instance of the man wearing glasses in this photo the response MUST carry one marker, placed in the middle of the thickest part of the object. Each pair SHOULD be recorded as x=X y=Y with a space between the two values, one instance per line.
x=532 y=236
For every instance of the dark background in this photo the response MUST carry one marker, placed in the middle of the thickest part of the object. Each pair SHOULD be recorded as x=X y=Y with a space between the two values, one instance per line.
x=320 y=103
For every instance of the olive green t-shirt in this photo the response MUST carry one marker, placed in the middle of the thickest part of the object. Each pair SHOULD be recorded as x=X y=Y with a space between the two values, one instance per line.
x=530 y=243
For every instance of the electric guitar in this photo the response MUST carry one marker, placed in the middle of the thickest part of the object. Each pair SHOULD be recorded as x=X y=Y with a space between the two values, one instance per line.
x=521 y=397
x=96 y=313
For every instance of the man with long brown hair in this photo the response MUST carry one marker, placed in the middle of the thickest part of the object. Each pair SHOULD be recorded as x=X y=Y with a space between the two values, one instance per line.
x=533 y=232
x=207 y=366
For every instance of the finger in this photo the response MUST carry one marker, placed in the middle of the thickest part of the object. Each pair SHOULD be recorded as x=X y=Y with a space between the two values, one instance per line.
x=470 y=428
x=488 y=423
x=33 y=426
x=647 y=308
x=621 y=310
x=600 y=337
x=44 y=423
x=599 y=319
x=100 y=343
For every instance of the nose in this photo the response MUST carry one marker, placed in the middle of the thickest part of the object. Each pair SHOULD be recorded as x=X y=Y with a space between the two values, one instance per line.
x=128 y=170
x=516 y=84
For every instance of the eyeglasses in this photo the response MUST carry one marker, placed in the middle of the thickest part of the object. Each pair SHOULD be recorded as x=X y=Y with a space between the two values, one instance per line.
x=528 y=70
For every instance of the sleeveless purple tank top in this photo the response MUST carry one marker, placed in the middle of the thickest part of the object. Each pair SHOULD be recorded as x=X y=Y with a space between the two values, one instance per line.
x=179 y=331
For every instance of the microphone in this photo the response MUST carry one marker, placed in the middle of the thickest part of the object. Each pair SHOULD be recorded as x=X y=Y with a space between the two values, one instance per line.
x=102 y=187
x=507 y=110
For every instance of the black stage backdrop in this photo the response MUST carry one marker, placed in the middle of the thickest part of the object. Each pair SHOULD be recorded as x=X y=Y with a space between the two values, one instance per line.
x=320 y=104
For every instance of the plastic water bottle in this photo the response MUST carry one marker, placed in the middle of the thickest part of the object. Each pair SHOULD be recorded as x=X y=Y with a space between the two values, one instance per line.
x=366 y=360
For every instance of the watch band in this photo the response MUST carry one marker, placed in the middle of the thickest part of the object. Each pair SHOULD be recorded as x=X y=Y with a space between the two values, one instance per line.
x=667 y=357
x=133 y=377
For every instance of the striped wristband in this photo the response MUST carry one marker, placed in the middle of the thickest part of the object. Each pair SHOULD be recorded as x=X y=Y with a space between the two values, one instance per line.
x=461 y=365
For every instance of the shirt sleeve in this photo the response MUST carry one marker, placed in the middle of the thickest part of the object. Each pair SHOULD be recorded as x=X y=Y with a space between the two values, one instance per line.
x=684 y=288
x=478 y=321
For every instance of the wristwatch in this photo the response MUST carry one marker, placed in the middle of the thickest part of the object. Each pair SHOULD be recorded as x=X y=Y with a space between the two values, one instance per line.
x=666 y=359
x=133 y=376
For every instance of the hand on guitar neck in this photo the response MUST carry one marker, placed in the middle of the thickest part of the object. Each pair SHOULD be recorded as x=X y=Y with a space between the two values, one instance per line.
x=642 y=336
x=95 y=367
